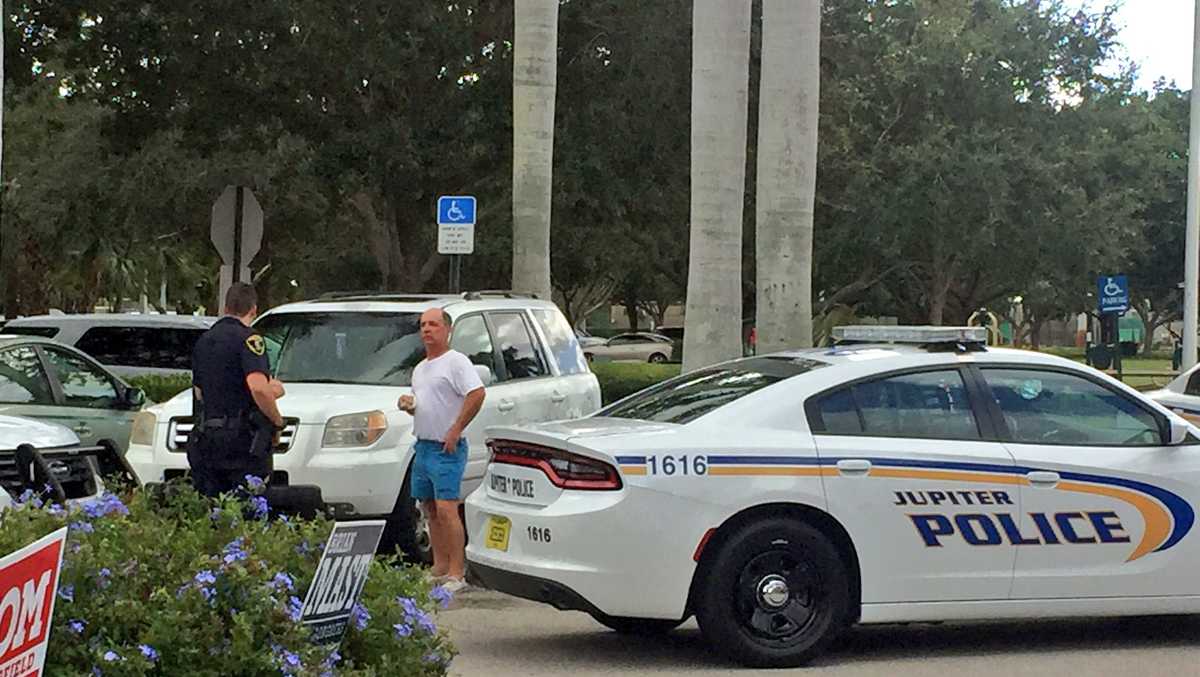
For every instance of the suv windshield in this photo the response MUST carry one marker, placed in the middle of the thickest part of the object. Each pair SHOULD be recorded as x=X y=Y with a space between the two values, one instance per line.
x=359 y=348
x=693 y=395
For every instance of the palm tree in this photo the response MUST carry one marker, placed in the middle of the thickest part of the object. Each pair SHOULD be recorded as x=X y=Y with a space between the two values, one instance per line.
x=720 y=79
x=789 y=93
x=535 y=52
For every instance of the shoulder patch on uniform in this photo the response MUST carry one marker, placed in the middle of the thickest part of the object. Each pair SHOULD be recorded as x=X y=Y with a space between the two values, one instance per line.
x=256 y=345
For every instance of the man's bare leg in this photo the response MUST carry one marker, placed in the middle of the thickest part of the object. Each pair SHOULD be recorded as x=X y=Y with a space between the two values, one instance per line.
x=455 y=538
x=440 y=559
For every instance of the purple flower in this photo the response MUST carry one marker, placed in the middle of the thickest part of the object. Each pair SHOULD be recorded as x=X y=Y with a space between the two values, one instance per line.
x=215 y=515
x=434 y=659
x=209 y=594
x=283 y=581
x=205 y=577
x=105 y=505
x=77 y=626
x=304 y=548
x=291 y=659
x=67 y=592
x=410 y=605
x=425 y=621
x=254 y=484
x=112 y=656
x=85 y=527
x=148 y=652
x=234 y=552
x=361 y=616
x=103 y=577
x=402 y=630
x=96 y=671
x=261 y=509
x=442 y=596
x=56 y=510
x=334 y=659
x=295 y=609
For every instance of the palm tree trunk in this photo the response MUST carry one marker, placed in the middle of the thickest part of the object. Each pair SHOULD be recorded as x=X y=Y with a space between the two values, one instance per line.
x=720 y=82
x=535 y=52
x=787 y=172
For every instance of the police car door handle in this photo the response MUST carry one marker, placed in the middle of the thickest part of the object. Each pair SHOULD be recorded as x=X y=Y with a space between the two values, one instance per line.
x=557 y=397
x=1039 y=478
x=506 y=405
x=854 y=467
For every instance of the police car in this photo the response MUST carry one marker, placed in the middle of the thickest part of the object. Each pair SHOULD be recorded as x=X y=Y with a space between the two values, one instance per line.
x=905 y=474
x=1181 y=395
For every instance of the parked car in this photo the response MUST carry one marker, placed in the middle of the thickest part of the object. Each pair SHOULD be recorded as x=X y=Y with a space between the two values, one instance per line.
x=128 y=344
x=48 y=381
x=586 y=340
x=634 y=346
x=1181 y=395
x=74 y=468
x=345 y=361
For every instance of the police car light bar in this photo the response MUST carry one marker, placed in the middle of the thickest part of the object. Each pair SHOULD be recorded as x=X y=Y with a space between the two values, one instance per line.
x=908 y=334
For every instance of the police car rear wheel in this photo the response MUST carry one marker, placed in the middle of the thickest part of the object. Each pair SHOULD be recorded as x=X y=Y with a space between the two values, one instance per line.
x=775 y=595
x=636 y=626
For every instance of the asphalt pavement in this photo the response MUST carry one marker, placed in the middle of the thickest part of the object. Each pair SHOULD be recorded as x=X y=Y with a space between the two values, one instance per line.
x=497 y=635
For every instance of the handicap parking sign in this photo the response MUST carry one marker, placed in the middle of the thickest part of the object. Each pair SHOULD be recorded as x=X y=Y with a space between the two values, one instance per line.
x=456 y=210
x=1112 y=293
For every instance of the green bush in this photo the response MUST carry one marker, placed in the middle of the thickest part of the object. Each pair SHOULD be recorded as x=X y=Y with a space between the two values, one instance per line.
x=185 y=586
x=620 y=379
x=161 y=388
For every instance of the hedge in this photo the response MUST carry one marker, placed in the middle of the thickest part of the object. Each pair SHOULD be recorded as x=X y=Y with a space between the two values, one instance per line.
x=617 y=380
x=181 y=585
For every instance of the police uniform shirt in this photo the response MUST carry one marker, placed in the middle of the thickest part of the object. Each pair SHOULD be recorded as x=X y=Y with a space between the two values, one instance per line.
x=222 y=359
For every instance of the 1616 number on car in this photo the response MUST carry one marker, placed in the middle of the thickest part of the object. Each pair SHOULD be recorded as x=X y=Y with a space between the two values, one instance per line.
x=677 y=465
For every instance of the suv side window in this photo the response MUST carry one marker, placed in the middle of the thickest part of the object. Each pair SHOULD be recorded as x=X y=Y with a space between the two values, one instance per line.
x=22 y=380
x=83 y=385
x=517 y=347
x=161 y=348
x=564 y=347
x=471 y=338
x=929 y=405
x=1050 y=407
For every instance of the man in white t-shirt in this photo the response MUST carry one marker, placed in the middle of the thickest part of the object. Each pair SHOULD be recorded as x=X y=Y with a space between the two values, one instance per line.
x=447 y=394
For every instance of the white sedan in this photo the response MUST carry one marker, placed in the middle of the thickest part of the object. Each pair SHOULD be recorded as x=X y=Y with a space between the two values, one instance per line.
x=907 y=474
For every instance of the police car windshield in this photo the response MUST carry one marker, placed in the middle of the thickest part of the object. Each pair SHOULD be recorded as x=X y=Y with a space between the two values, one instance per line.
x=357 y=348
x=695 y=394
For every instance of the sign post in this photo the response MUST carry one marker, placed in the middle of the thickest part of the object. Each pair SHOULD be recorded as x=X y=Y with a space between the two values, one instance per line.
x=456 y=232
x=1112 y=300
x=237 y=231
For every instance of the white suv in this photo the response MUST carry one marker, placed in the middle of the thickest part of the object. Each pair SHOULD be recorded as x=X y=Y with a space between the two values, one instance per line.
x=345 y=360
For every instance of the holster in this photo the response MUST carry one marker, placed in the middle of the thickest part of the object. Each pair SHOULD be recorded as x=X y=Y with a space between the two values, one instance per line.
x=264 y=435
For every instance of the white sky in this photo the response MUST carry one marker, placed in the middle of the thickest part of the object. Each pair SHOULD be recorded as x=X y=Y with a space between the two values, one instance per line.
x=1157 y=35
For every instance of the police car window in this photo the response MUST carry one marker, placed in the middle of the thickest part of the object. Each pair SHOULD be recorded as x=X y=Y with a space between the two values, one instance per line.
x=930 y=405
x=839 y=413
x=521 y=356
x=564 y=347
x=1047 y=407
x=471 y=338
x=344 y=347
x=22 y=380
x=692 y=395
x=83 y=384
x=21 y=330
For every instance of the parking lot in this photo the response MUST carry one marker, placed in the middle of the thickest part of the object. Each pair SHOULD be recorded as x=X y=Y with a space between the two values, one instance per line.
x=499 y=635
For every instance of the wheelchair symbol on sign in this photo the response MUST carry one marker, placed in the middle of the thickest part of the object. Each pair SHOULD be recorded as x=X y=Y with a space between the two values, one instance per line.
x=454 y=213
x=1112 y=288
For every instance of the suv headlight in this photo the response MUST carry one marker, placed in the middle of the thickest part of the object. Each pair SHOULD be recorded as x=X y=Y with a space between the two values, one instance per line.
x=144 y=426
x=355 y=430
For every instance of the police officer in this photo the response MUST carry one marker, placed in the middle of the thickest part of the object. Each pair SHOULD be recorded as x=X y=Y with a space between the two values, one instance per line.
x=236 y=421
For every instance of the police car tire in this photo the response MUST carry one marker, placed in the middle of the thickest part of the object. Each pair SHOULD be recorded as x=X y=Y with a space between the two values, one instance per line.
x=720 y=609
x=644 y=627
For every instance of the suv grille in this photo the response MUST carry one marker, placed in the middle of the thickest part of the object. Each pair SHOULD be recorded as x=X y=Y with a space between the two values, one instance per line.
x=181 y=426
x=75 y=472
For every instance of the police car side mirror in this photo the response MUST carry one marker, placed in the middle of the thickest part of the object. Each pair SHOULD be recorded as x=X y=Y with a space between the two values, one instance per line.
x=1180 y=432
x=485 y=374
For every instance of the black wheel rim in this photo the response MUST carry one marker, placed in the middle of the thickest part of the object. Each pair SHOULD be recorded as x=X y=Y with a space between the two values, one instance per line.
x=776 y=598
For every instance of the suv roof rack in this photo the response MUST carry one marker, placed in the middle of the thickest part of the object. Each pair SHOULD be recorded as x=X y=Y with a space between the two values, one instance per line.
x=502 y=293
x=377 y=296
x=933 y=339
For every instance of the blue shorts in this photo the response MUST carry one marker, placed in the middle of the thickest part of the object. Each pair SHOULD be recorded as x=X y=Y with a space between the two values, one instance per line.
x=437 y=474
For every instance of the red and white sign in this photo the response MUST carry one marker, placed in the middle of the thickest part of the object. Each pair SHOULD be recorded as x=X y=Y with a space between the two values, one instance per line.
x=28 y=586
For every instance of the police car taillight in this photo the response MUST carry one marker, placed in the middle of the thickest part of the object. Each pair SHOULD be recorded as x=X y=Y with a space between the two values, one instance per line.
x=564 y=469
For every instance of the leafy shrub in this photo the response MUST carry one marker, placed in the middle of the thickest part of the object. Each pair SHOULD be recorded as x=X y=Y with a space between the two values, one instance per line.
x=181 y=585
x=620 y=379
x=161 y=388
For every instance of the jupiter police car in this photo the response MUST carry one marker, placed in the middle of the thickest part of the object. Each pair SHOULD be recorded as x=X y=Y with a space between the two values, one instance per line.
x=905 y=474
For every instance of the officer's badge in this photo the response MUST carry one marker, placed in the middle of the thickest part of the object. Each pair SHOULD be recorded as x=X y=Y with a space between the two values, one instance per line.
x=256 y=345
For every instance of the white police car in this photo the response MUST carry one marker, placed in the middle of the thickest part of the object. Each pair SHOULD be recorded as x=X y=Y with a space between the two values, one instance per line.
x=907 y=474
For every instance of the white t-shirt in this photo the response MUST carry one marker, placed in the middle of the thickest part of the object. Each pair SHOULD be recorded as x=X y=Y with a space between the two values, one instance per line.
x=440 y=387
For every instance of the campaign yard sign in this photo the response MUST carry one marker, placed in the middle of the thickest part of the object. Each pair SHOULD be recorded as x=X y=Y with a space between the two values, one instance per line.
x=341 y=575
x=28 y=586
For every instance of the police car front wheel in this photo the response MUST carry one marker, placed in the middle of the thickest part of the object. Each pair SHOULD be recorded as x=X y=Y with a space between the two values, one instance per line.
x=775 y=594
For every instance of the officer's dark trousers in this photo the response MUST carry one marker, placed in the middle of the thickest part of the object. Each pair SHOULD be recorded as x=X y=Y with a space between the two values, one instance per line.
x=220 y=464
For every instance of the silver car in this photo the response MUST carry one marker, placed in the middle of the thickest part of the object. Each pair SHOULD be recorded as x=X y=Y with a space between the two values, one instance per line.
x=635 y=347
